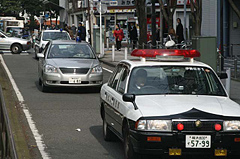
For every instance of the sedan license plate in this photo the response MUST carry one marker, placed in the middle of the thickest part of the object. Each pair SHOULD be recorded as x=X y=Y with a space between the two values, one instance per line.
x=74 y=80
x=198 y=141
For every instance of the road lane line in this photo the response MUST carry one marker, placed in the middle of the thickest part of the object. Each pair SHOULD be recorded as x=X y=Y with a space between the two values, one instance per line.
x=40 y=144
x=108 y=70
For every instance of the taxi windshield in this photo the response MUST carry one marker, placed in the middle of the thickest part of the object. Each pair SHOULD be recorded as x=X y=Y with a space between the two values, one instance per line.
x=174 y=80
x=79 y=51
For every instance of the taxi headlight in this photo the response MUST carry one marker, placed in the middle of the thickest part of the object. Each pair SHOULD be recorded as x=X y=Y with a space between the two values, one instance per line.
x=97 y=69
x=233 y=125
x=154 y=125
x=50 y=69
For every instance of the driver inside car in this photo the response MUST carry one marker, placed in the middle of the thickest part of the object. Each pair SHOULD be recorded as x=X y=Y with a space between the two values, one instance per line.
x=140 y=79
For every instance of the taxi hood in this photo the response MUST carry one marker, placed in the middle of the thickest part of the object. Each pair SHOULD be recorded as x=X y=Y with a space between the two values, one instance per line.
x=166 y=105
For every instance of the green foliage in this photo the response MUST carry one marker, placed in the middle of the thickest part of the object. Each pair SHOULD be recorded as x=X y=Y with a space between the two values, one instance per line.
x=10 y=6
x=32 y=6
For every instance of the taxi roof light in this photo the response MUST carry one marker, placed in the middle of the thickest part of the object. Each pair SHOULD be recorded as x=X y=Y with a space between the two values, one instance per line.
x=166 y=54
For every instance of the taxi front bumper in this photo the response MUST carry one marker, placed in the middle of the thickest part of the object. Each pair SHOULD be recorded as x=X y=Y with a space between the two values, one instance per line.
x=176 y=140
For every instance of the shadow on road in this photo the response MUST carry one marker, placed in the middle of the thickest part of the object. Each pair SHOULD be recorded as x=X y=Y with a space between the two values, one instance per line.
x=73 y=90
x=114 y=149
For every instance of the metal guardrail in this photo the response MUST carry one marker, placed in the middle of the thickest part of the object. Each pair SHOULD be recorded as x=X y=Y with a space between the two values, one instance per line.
x=7 y=145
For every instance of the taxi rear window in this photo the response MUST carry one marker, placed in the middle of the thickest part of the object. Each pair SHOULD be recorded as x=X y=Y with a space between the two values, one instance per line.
x=174 y=80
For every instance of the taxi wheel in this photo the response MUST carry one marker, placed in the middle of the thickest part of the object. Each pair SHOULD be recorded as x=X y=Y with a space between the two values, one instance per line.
x=129 y=152
x=16 y=49
x=107 y=133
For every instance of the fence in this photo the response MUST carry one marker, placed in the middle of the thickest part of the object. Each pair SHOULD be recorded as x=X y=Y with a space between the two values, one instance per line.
x=7 y=145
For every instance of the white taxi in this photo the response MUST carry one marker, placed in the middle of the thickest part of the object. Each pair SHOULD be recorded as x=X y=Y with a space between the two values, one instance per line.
x=172 y=106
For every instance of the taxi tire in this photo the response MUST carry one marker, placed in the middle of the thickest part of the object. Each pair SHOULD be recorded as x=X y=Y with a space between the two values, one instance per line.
x=107 y=133
x=129 y=152
x=16 y=49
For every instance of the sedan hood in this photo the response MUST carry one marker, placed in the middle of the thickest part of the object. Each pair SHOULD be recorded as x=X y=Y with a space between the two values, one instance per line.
x=176 y=104
x=73 y=63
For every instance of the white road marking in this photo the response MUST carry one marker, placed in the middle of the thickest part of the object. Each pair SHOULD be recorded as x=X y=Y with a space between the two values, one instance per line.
x=40 y=144
x=7 y=54
x=24 y=53
x=108 y=70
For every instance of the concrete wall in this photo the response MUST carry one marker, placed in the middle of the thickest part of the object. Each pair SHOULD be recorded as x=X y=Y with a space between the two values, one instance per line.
x=209 y=18
x=234 y=31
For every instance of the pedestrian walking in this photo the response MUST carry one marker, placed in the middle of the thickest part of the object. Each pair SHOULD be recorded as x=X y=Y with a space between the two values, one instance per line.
x=179 y=31
x=118 y=34
x=82 y=31
x=133 y=35
x=74 y=29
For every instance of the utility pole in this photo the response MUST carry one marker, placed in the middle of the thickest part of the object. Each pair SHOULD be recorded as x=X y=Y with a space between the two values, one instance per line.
x=89 y=21
x=185 y=19
x=101 y=47
x=153 y=24
x=91 y=17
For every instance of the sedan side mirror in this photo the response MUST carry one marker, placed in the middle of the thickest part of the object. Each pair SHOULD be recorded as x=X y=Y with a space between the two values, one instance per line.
x=222 y=75
x=130 y=98
x=40 y=55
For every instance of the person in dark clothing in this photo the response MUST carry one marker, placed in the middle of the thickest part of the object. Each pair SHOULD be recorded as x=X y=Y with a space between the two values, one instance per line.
x=179 y=31
x=73 y=28
x=81 y=32
x=133 y=35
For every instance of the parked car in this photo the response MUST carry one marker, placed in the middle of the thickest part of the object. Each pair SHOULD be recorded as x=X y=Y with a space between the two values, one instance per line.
x=65 y=63
x=46 y=35
x=16 y=45
x=170 y=106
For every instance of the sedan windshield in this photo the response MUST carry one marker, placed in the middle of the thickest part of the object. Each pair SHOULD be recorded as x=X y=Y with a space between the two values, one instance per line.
x=174 y=80
x=55 y=36
x=82 y=51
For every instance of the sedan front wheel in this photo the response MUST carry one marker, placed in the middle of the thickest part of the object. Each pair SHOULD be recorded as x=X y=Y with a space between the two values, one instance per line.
x=16 y=49
x=43 y=87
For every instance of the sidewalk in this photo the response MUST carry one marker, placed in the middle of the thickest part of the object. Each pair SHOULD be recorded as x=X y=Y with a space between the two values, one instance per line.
x=120 y=55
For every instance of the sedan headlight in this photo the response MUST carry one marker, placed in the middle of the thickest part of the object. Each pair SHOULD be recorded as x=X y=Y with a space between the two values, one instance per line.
x=154 y=125
x=97 y=69
x=233 y=125
x=50 y=69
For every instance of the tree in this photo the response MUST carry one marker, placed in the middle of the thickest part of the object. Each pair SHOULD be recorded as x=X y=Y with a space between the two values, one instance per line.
x=142 y=21
x=235 y=8
x=169 y=11
x=32 y=7
x=10 y=7
x=196 y=10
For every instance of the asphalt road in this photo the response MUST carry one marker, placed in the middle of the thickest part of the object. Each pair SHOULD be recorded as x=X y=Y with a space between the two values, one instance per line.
x=58 y=114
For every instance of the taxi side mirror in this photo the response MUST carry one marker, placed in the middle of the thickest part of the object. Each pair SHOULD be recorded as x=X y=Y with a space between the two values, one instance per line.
x=130 y=98
x=222 y=75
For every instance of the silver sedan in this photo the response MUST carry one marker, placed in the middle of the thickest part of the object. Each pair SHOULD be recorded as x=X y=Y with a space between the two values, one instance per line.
x=16 y=45
x=69 y=64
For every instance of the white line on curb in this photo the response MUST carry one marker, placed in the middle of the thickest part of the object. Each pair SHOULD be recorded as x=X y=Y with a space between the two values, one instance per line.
x=108 y=70
x=37 y=136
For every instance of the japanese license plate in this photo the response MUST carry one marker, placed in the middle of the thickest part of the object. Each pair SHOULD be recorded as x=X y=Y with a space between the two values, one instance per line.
x=74 y=80
x=198 y=141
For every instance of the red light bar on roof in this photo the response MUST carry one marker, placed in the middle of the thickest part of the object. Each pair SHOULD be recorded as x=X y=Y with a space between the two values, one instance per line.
x=165 y=52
